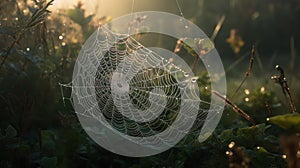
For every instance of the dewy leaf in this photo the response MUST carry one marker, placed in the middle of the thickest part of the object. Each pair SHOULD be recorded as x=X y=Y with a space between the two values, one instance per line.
x=254 y=130
x=202 y=138
x=262 y=149
x=251 y=135
x=287 y=121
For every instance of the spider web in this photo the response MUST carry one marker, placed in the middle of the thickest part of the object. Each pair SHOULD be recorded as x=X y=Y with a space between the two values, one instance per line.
x=136 y=91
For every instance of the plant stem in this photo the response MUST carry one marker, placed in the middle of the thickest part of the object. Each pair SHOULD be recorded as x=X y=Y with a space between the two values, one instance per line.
x=9 y=49
x=235 y=108
x=195 y=62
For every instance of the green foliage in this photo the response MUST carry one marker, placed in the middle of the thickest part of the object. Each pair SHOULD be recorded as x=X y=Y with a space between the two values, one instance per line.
x=10 y=133
x=248 y=136
x=251 y=136
x=37 y=130
x=257 y=104
x=262 y=158
x=49 y=162
x=289 y=122
x=77 y=14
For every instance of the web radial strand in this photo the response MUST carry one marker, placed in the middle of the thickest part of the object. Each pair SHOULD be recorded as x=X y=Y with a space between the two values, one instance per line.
x=134 y=90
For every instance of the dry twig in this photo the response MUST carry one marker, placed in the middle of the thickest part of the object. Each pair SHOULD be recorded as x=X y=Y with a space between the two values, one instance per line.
x=248 y=71
x=281 y=80
x=217 y=28
x=37 y=18
x=235 y=108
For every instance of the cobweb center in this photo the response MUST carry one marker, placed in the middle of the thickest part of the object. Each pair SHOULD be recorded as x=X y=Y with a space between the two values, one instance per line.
x=118 y=84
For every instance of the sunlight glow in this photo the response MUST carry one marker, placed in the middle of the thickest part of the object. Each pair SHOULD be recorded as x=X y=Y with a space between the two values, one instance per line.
x=116 y=8
x=247 y=91
x=112 y=8
x=231 y=145
x=262 y=90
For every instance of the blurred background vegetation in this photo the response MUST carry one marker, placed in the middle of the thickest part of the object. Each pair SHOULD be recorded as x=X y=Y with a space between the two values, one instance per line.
x=39 y=44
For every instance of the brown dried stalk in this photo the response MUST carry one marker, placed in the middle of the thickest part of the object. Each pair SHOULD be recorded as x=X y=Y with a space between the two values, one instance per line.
x=268 y=106
x=248 y=71
x=281 y=80
x=179 y=45
x=217 y=28
x=235 y=108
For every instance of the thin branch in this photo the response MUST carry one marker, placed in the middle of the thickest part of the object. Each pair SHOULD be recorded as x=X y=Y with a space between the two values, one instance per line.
x=8 y=50
x=248 y=71
x=217 y=28
x=235 y=108
x=281 y=80
x=178 y=46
